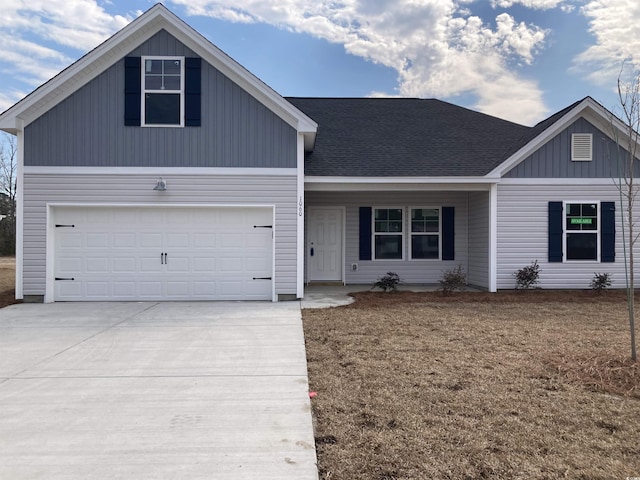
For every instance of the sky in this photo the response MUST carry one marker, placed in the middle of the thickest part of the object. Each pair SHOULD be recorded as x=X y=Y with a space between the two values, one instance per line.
x=521 y=60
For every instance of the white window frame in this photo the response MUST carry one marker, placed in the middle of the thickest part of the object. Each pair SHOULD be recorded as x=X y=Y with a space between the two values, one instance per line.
x=574 y=154
x=374 y=233
x=144 y=91
x=565 y=210
x=411 y=234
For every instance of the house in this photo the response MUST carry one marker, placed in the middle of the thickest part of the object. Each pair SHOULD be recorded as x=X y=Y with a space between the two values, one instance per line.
x=157 y=168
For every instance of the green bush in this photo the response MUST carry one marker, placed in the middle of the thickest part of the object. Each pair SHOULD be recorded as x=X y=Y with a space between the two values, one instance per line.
x=388 y=282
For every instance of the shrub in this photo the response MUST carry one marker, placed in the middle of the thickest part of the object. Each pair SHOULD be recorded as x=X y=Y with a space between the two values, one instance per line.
x=527 y=277
x=600 y=281
x=453 y=280
x=388 y=282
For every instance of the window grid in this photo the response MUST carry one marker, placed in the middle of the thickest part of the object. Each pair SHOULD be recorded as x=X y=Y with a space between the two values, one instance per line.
x=425 y=233
x=163 y=91
x=581 y=231
x=388 y=233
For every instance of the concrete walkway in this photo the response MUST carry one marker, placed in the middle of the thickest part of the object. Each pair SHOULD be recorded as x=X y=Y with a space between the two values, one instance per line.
x=154 y=391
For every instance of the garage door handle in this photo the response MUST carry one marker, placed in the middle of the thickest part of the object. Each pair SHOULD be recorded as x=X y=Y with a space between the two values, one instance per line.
x=61 y=278
x=165 y=258
x=262 y=278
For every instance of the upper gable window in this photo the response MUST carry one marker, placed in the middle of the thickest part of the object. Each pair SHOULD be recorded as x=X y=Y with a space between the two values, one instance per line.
x=163 y=91
x=581 y=147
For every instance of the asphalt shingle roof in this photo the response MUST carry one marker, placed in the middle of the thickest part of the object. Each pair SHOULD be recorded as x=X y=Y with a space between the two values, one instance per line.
x=407 y=137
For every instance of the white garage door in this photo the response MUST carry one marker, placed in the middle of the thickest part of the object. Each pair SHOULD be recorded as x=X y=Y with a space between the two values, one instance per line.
x=112 y=253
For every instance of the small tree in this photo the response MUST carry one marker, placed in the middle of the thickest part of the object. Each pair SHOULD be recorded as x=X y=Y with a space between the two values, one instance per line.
x=626 y=163
x=8 y=191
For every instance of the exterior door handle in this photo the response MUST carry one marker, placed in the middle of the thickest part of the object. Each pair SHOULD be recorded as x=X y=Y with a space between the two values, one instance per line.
x=312 y=251
x=165 y=258
x=161 y=261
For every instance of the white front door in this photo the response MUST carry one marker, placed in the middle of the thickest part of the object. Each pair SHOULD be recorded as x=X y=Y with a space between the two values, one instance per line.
x=324 y=244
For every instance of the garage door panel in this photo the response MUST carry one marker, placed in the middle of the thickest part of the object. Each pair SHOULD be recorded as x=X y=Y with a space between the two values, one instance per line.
x=150 y=290
x=150 y=264
x=124 y=240
x=71 y=240
x=212 y=253
x=178 y=289
x=123 y=289
x=69 y=289
x=178 y=240
x=97 y=265
x=98 y=289
x=177 y=264
x=151 y=240
x=97 y=240
x=204 y=240
x=204 y=264
x=71 y=265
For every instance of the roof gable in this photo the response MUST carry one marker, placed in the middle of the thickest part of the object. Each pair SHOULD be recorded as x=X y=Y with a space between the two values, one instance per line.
x=128 y=39
x=587 y=108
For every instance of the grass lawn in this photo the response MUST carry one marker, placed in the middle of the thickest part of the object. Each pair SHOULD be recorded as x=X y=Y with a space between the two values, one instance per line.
x=508 y=385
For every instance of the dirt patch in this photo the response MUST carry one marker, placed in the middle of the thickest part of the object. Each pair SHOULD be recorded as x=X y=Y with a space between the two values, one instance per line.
x=508 y=385
x=7 y=281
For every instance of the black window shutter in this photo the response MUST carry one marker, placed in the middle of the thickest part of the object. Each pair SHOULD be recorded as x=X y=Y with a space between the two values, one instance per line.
x=132 y=91
x=555 y=232
x=608 y=233
x=365 y=233
x=192 y=91
x=448 y=233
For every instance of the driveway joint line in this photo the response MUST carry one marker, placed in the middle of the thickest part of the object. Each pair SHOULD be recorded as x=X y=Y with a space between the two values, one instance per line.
x=50 y=357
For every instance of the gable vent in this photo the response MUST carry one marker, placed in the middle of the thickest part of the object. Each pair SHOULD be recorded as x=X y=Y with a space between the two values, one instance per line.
x=581 y=147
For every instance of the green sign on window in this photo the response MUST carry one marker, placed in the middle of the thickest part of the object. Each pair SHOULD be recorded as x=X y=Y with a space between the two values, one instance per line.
x=581 y=221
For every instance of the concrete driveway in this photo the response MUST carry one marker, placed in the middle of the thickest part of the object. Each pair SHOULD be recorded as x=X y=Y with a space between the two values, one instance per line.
x=154 y=391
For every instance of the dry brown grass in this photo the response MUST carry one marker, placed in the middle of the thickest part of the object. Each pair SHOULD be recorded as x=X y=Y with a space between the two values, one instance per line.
x=508 y=385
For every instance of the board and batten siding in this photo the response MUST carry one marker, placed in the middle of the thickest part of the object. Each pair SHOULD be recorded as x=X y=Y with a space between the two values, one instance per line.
x=87 y=128
x=132 y=190
x=478 y=270
x=523 y=235
x=410 y=271
x=553 y=159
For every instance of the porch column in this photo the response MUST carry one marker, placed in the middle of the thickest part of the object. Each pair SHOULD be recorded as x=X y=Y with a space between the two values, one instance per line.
x=493 y=237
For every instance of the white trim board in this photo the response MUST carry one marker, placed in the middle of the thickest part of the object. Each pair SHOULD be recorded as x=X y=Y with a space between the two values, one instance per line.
x=559 y=181
x=385 y=185
x=175 y=171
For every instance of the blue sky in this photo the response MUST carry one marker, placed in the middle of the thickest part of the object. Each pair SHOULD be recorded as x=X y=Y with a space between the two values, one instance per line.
x=517 y=59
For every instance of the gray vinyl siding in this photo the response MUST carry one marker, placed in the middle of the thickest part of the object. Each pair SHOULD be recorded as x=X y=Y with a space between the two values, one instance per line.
x=411 y=271
x=553 y=159
x=137 y=189
x=478 y=272
x=523 y=235
x=87 y=129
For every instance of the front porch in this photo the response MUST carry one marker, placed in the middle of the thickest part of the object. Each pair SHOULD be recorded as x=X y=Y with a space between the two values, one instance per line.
x=355 y=237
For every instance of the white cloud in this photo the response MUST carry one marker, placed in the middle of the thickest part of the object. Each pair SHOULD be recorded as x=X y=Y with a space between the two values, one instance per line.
x=535 y=4
x=436 y=47
x=27 y=25
x=615 y=24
